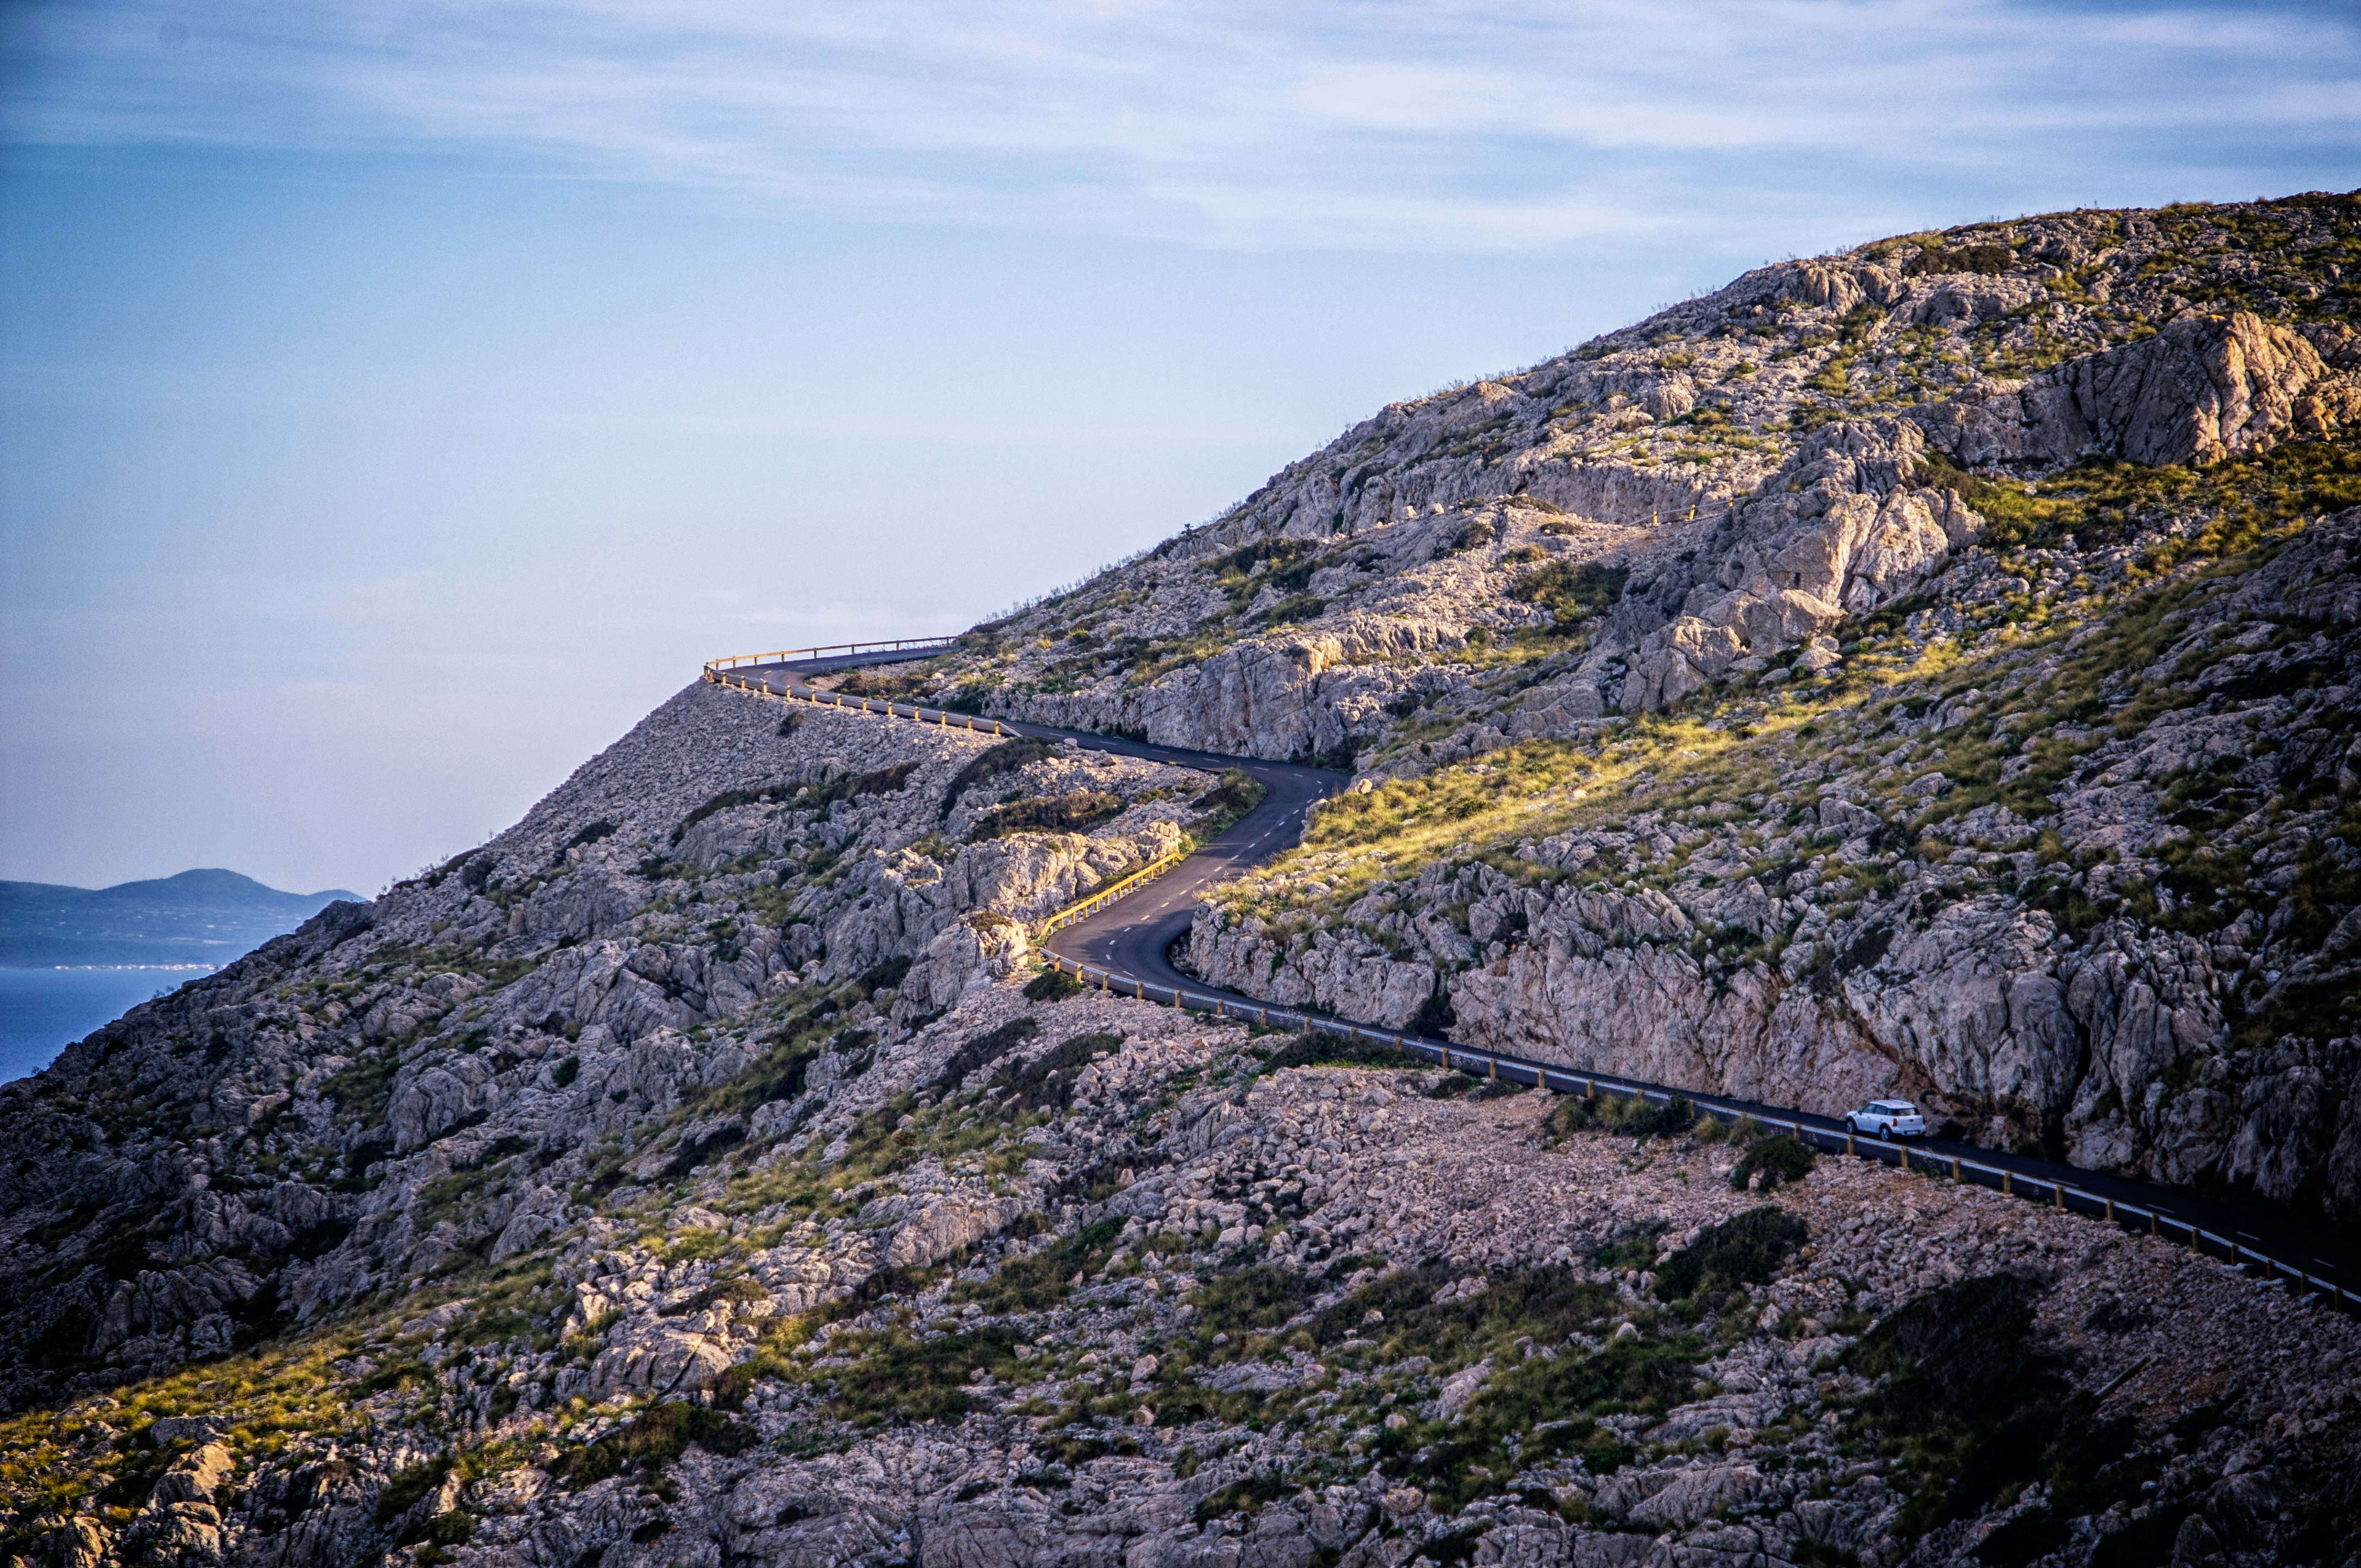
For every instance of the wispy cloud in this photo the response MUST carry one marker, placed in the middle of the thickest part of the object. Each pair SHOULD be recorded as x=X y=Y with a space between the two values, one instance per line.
x=1350 y=123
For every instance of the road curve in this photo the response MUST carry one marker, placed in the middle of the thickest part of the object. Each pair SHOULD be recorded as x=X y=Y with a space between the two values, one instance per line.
x=1127 y=945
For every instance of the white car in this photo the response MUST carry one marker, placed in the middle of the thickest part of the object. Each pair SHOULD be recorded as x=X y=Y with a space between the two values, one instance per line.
x=1888 y=1119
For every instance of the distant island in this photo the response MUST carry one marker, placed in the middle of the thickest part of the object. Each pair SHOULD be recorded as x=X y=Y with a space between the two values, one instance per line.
x=197 y=917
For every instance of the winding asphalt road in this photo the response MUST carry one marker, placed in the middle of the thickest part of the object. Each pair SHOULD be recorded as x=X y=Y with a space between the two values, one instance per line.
x=1129 y=944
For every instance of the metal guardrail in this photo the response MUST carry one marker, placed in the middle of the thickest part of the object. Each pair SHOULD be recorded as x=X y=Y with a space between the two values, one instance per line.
x=2051 y=1193
x=732 y=661
x=941 y=717
x=1106 y=896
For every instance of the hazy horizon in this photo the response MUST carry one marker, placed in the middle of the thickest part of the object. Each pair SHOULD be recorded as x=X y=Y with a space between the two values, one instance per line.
x=398 y=404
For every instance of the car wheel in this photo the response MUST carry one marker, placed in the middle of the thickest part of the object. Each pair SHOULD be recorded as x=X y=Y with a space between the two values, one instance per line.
x=1852 y=1126
x=1886 y=1132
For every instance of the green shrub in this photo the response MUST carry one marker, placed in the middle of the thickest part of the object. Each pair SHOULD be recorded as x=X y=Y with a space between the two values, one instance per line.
x=1051 y=985
x=1295 y=609
x=1962 y=1353
x=653 y=1441
x=1988 y=258
x=897 y=1378
x=1320 y=1048
x=1547 y=1304
x=848 y=786
x=1246 y=1299
x=1005 y=758
x=1976 y=1408
x=884 y=974
x=454 y=1528
x=1671 y=1119
x=1041 y=1279
x=411 y=1488
x=1262 y=553
x=1780 y=1159
x=1047 y=1082
x=989 y=1048
x=1073 y=813
x=590 y=835
x=1248 y=1496
x=1629 y=1116
x=766 y=796
x=1747 y=1250
x=1571 y=594
x=1233 y=796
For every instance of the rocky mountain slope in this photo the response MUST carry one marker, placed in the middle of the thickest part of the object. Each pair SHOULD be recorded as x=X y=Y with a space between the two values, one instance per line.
x=1923 y=670
x=701 y=1172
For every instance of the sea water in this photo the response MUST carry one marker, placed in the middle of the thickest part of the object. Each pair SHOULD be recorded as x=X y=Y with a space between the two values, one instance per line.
x=42 y=1011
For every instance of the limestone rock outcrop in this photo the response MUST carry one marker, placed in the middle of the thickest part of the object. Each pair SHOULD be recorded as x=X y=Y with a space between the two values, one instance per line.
x=2205 y=388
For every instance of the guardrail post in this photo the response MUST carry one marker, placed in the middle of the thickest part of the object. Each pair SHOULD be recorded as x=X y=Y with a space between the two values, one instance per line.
x=1955 y=1168
x=2151 y=1223
x=2111 y=1210
x=2058 y=1191
x=2007 y=1182
x=1848 y=1148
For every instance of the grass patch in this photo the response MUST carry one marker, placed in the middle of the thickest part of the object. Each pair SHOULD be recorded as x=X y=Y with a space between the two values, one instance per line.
x=652 y=1441
x=1039 y=1281
x=898 y=1378
x=1074 y=813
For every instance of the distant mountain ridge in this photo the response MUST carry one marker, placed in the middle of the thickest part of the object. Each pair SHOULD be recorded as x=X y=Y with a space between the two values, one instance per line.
x=207 y=917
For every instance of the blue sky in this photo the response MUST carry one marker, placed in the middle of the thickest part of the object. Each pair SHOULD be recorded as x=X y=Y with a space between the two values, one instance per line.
x=398 y=400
